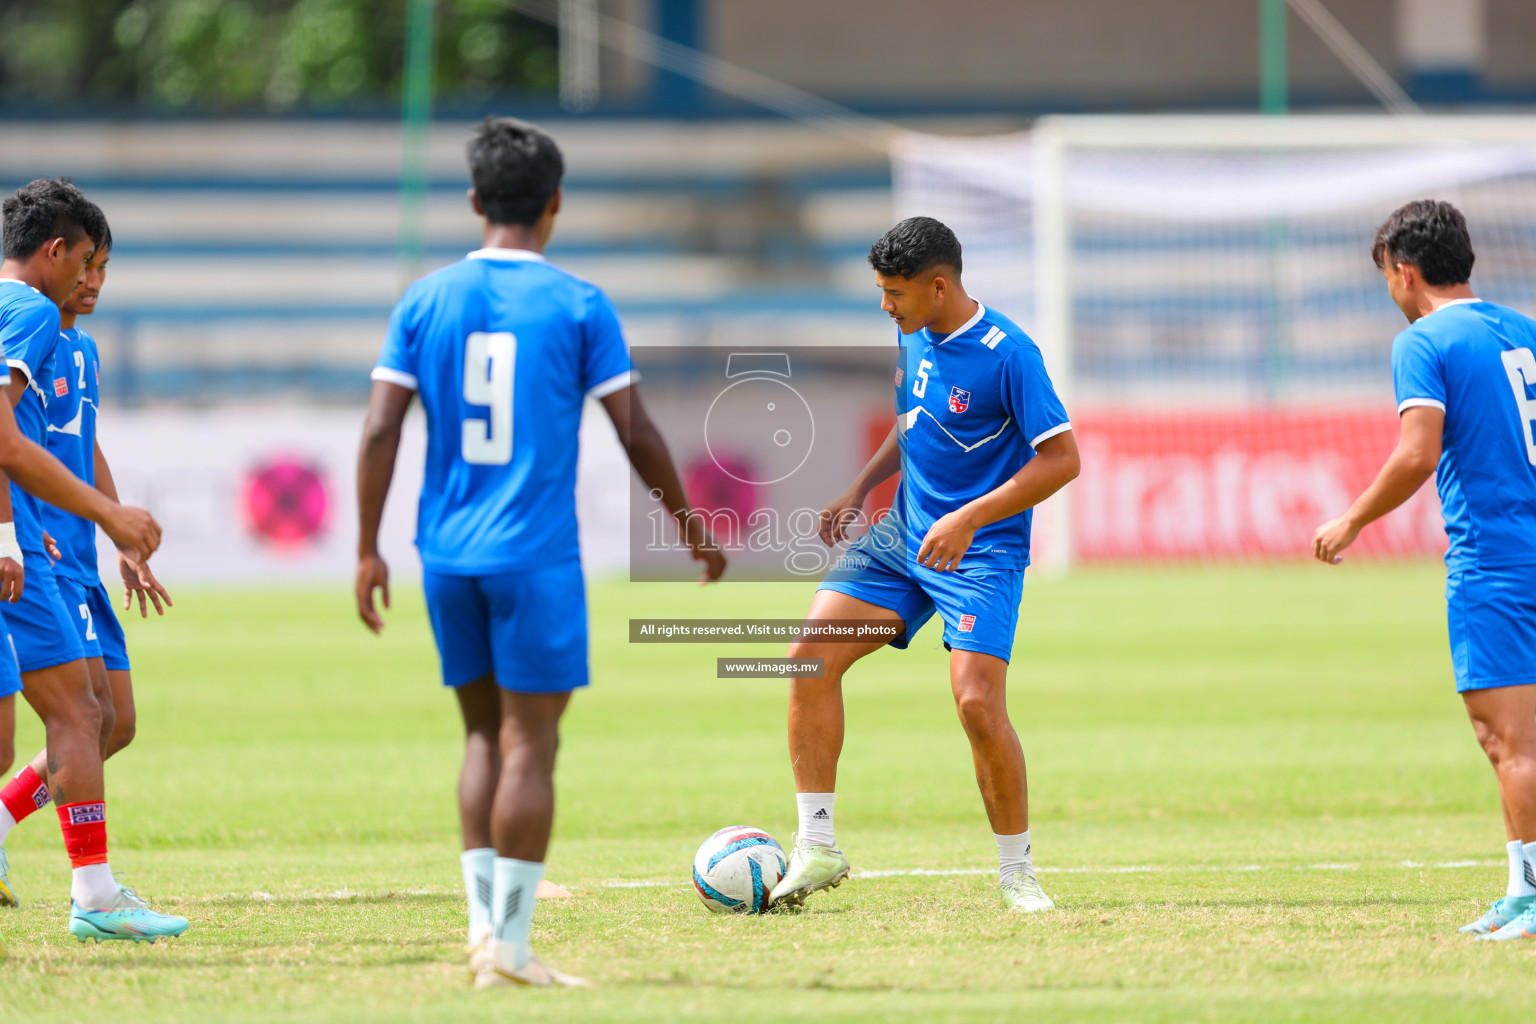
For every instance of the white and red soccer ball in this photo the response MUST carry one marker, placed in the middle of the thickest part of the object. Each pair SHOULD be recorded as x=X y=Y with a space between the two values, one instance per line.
x=736 y=869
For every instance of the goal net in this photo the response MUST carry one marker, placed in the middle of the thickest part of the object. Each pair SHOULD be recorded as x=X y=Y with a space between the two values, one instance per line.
x=1203 y=292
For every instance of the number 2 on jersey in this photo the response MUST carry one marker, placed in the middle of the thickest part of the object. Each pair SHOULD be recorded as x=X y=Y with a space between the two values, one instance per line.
x=488 y=363
x=1520 y=365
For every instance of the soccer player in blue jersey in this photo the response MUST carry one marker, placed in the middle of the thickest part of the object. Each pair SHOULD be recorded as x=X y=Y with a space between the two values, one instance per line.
x=50 y=232
x=503 y=348
x=980 y=439
x=1465 y=375
x=72 y=439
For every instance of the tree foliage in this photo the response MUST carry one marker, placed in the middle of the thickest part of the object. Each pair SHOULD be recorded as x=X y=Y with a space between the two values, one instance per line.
x=257 y=55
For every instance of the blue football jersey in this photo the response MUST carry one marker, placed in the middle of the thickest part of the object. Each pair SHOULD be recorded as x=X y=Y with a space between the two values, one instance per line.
x=29 y=332
x=1477 y=362
x=502 y=347
x=72 y=440
x=970 y=409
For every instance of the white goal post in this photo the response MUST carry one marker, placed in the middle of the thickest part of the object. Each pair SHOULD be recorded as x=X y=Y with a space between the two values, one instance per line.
x=1203 y=293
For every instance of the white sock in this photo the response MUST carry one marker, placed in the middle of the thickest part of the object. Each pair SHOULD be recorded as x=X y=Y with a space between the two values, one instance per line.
x=514 y=894
x=479 y=865
x=1527 y=870
x=6 y=823
x=816 y=818
x=93 y=886
x=1013 y=856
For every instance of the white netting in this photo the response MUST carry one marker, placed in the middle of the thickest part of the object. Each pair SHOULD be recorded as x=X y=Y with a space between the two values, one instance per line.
x=1227 y=331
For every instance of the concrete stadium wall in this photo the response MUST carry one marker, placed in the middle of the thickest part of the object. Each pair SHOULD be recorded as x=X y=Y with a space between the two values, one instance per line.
x=1088 y=52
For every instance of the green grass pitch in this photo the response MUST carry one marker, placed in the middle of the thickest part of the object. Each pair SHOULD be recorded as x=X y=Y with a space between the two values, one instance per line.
x=1255 y=796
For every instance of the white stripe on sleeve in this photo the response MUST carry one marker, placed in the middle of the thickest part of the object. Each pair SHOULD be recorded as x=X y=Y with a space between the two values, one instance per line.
x=615 y=383
x=1060 y=428
x=392 y=376
x=1414 y=403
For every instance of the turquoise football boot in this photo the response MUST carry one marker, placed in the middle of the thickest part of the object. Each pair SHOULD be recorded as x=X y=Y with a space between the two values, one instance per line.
x=128 y=917
x=7 y=897
x=1522 y=927
x=1502 y=911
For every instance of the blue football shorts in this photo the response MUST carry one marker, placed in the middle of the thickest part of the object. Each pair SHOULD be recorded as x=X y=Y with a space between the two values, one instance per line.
x=100 y=633
x=10 y=671
x=1491 y=615
x=42 y=625
x=528 y=629
x=980 y=607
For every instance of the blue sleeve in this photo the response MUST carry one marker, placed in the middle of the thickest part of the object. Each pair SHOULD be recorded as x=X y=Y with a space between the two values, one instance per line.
x=1029 y=396
x=32 y=337
x=1418 y=372
x=397 y=361
x=605 y=365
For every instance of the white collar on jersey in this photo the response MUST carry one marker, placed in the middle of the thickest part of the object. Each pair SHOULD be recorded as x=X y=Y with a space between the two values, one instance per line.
x=1453 y=302
x=981 y=311
x=494 y=253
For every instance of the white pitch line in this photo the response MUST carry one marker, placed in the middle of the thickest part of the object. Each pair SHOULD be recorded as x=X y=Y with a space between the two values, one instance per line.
x=1135 y=869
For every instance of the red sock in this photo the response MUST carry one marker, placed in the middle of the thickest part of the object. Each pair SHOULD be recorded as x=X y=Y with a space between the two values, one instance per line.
x=85 y=832
x=24 y=794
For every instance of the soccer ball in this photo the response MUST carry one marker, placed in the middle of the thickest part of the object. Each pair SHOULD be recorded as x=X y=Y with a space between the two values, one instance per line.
x=736 y=869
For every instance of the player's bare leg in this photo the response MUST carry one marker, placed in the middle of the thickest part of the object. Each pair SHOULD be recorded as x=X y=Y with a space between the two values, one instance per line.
x=7 y=756
x=29 y=792
x=7 y=732
x=480 y=706
x=815 y=744
x=979 y=683
x=125 y=718
x=522 y=815
x=101 y=688
x=65 y=699
x=1504 y=719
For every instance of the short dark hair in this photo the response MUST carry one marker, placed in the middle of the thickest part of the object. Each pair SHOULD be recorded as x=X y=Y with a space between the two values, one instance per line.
x=915 y=246
x=516 y=168
x=1431 y=235
x=102 y=233
x=45 y=209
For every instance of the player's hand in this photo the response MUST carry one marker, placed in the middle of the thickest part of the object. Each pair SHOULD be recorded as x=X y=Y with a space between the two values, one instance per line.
x=372 y=574
x=12 y=576
x=839 y=514
x=702 y=546
x=947 y=542
x=51 y=546
x=138 y=580
x=132 y=529
x=1330 y=540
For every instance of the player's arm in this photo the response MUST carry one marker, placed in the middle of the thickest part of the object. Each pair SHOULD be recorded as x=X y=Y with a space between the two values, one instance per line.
x=387 y=405
x=648 y=453
x=44 y=476
x=1411 y=463
x=1056 y=464
x=137 y=577
x=842 y=511
x=12 y=576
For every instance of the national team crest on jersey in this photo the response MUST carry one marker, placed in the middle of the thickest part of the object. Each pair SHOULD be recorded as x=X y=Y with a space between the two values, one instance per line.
x=967 y=623
x=959 y=401
x=60 y=387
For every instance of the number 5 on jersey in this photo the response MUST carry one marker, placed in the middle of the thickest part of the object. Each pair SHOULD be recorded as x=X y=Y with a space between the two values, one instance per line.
x=489 y=360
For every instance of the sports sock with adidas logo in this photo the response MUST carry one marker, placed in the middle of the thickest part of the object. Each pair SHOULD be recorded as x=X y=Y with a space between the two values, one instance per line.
x=816 y=818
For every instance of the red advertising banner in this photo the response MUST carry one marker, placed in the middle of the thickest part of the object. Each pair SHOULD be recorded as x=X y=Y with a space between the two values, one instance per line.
x=1236 y=484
